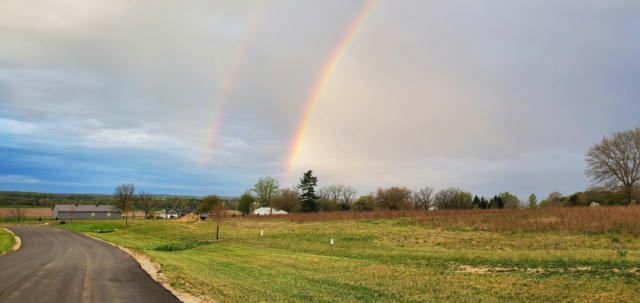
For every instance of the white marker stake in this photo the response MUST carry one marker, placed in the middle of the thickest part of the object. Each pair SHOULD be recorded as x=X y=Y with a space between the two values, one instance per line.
x=331 y=244
x=262 y=233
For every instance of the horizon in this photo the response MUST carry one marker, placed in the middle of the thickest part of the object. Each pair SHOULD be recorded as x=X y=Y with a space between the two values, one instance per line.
x=206 y=98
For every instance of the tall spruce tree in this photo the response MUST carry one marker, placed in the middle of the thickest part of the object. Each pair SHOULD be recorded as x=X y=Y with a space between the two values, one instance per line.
x=476 y=202
x=484 y=204
x=308 y=198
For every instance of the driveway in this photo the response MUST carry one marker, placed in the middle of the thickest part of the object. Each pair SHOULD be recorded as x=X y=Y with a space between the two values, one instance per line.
x=58 y=265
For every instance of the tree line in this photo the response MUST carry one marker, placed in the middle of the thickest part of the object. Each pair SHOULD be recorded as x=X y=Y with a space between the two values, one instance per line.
x=613 y=165
x=305 y=198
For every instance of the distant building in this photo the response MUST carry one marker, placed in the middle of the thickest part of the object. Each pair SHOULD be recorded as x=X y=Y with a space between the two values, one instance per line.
x=268 y=211
x=84 y=212
x=173 y=213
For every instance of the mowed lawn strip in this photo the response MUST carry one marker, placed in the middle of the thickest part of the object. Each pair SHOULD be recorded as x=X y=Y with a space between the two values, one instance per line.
x=385 y=260
x=6 y=241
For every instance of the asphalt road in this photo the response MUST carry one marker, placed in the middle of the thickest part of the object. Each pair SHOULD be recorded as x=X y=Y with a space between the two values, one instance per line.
x=58 y=265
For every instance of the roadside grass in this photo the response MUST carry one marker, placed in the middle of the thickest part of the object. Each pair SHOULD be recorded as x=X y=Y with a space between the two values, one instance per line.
x=6 y=241
x=26 y=219
x=383 y=260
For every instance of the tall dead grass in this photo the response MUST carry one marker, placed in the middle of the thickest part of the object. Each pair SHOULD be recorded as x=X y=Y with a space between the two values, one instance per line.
x=623 y=219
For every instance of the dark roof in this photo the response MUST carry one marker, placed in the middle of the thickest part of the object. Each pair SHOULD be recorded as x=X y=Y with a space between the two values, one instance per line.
x=182 y=211
x=85 y=208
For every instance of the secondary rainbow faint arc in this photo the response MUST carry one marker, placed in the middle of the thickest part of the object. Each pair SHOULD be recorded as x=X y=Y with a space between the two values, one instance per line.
x=230 y=80
x=322 y=80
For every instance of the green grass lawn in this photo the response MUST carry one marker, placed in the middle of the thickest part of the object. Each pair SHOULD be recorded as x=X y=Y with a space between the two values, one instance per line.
x=384 y=260
x=6 y=241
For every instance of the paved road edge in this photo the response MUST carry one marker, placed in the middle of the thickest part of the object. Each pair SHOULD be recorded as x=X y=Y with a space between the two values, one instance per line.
x=153 y=270
x=16 y=239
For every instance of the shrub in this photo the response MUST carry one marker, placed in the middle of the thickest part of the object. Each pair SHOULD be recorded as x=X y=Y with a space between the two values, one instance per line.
x=329 y=204
x=245 y=203
x=287 y=200
x=363 y=203
x=394 y=198
x=453 y=198
x=178 y=246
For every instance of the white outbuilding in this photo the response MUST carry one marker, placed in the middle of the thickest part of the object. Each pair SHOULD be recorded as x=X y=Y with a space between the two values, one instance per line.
x=262 y=211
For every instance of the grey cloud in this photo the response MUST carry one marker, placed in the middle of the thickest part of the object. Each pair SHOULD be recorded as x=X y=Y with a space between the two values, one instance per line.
x=424 y=87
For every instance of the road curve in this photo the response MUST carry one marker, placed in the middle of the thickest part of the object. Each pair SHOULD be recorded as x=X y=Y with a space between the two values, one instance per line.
x=58 y=265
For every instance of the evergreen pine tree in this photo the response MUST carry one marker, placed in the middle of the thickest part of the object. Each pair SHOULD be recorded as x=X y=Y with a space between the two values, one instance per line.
x=476 y=202
x=308 y=198
x=484 y=203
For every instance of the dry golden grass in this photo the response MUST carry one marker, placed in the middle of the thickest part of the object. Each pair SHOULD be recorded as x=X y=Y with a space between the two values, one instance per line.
x=625 y=219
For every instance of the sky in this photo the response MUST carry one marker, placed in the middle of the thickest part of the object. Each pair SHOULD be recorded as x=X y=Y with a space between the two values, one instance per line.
x=205 y=97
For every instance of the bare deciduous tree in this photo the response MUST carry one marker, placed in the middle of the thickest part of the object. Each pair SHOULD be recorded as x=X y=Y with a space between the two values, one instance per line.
x=453 y=198
x=265 y=189
x=338 y=194
x=287 y=200
x=214 y=206
x=72 y=212
x=146 y=201
x=423 y=198
x=123 y=195
x=347 y=195
x=18 y=211
x=394 y=198
x=615 y=161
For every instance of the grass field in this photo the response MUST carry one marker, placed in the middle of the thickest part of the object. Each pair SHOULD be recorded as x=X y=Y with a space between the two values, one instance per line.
x=406 y=259
x=6 y=241
x=12 y=206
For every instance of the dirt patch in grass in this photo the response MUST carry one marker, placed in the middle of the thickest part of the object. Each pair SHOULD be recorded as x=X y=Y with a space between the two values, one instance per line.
x=483 y=270
x=487 y=270
x=189 y=218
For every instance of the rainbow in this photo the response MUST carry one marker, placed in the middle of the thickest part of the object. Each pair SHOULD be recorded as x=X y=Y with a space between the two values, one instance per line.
x=321 y=81
x=229 y=82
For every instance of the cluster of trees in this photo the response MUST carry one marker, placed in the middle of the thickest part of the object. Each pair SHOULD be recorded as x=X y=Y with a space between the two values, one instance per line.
x=304 y=198
x=502 y=200
x=125 y=199
x=268 y=194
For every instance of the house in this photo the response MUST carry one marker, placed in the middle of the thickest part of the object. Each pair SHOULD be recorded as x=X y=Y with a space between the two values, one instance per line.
x=84 y=212
x=172 y=213
x=268 y=211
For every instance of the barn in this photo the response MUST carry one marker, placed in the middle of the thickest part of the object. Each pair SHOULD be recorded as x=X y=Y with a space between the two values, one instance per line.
x=84 y=212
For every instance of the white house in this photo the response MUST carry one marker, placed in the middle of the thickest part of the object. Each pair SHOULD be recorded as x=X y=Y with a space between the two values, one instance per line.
x=172 y=213
x=268 y=211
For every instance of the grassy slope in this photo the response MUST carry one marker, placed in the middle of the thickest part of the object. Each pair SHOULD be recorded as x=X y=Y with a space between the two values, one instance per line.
x=386 y=260
x=6 y=241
